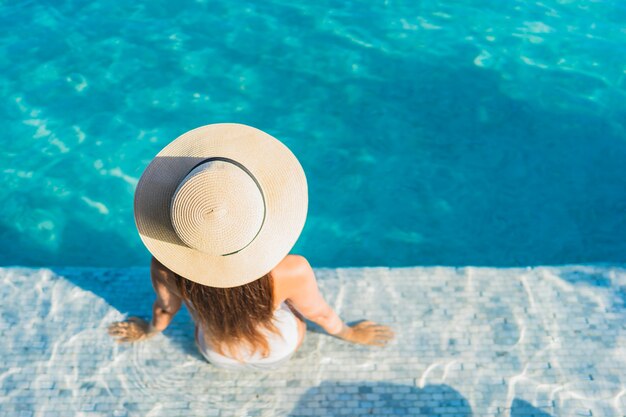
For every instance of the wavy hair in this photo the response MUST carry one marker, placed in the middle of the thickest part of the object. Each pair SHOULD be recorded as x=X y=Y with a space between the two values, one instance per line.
x=233 y=316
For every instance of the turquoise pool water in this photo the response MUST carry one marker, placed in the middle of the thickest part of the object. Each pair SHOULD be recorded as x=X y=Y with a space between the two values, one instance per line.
x=443 y=132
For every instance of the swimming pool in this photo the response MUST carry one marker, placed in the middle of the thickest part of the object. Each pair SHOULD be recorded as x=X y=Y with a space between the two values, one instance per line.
x=451 y=133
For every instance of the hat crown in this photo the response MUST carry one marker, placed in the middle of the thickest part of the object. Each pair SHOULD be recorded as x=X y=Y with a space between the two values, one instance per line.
x=218 y=208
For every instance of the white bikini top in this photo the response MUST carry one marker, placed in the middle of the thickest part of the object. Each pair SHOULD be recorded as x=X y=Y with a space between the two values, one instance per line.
x=280 y=347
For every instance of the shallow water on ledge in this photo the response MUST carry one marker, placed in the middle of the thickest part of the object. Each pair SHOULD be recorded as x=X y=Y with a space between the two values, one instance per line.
x=432 y=133
x=470 y=341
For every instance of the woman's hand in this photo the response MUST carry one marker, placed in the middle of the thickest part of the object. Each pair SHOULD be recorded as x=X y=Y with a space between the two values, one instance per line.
x=132 y=329
x=367 y=333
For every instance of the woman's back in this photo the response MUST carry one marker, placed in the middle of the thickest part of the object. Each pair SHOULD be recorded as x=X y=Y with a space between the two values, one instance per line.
x=282 y=343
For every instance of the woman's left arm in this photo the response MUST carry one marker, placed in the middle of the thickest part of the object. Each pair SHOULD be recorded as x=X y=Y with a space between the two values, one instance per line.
x=167 y=303
x=164 y=308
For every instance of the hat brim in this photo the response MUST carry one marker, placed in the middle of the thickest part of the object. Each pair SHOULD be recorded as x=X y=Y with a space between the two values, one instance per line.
x=280 y=177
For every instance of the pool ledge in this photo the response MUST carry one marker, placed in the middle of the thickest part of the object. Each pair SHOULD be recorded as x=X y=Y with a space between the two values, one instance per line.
x=542 y=341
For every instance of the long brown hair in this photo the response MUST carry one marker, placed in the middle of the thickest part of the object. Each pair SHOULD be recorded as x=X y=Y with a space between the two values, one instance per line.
x=233 y=316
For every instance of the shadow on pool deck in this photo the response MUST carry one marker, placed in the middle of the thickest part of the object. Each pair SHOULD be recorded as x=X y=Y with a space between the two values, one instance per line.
x=521 y=408
x=128 y=290
x=386 y=398
x=344 y=398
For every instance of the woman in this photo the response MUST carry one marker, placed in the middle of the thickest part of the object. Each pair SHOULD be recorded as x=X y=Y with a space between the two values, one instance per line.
x=220 y=208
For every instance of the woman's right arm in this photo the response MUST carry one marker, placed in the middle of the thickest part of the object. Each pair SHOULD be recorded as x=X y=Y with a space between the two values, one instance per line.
x=304 y=294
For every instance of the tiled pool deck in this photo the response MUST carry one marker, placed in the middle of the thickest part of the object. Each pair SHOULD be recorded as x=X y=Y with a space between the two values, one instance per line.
x=542 y=341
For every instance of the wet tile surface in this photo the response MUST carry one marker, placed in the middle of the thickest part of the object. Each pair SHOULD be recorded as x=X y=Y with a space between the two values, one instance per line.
x=542 y=341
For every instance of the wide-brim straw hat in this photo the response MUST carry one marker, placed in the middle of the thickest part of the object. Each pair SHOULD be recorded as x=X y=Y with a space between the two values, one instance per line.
x=222 y=204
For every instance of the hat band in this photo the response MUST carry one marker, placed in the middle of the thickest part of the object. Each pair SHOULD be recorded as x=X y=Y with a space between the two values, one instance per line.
x=247 y=171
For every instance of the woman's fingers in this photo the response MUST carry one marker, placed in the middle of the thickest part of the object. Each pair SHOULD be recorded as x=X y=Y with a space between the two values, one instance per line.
x=371 y=325
x=379 y=329
x=117 y=328
x=370 y=333
x=117 y=332
x=385 y=333
x=130 y=330
x=378 y=342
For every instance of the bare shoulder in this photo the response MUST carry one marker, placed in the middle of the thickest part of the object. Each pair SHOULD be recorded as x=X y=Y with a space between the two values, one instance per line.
x=291 y=266
x=290 y=273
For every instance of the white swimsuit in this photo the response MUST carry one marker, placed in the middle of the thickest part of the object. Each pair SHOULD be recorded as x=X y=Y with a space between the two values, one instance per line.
x=281 y=348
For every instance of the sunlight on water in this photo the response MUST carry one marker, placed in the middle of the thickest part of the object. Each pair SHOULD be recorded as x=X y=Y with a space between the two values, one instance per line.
x=439 y=132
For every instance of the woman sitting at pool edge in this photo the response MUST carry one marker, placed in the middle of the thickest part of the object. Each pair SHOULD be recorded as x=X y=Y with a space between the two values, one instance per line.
x=219 y=208
x=233 y=314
